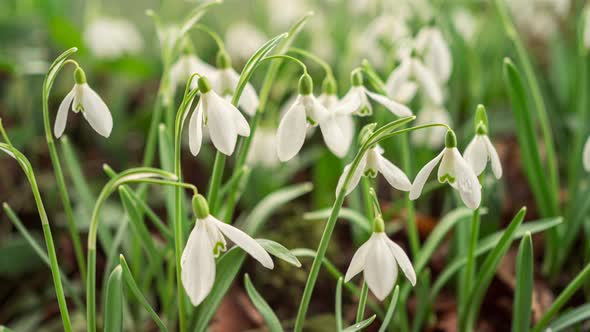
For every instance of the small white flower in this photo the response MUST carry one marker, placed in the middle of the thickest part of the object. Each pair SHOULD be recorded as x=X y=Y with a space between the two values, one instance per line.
x=437 y=54
x=412 y=69
x=225 y=80
x=207 y=241
x=187 y=65
x=586 y=155
x=222 y=119
x=307 y=110
x=371 y=164
x=344 y=120
x=243 y=39
x=263 y=148
x=379 y=258
x=110 y=38
x=385 y=29
x=454 y=170
x=479 y=151
x=83 y=99
x=431 y=137
x=356 y=101
x=465 y=23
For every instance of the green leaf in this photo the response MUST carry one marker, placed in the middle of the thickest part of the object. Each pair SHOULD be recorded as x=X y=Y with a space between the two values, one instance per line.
x=279 y=251
x=570 y=318
x=113 y=319
x=390 y=310
x=5 y=329
x=351 y=215
x=271 y=319
x=361 y=325
x=521 y=317
x=338 y=301
x=488 y=270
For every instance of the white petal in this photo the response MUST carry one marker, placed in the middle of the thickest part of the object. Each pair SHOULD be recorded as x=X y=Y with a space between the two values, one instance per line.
x=394 y=176
x=195 y=129
x=96 y=112
x=62 y=114
x=333 y=136
x=398 y=77
x=439 y=56
x=466 y=182
x=314 y=110
x=428 y=82
x=245 y=242
x=249 y=100
x=198 y=265
x=354 y=180
x=346 y=124
x=357 y=263
x=403 y=261
x=350 y=103
x=405 y=92
x=380 y=267
x=220 y=121
x=447 y=169
x=476 y=154
x=422 y=176
x=395 y=107
x=586 y=154
x=494 y=158
x=291 y=131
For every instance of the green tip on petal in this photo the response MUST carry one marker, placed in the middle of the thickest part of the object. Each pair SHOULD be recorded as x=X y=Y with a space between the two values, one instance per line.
x=451 y=139
x=200 y=206
x=356 y=78
x=329 y=86
x=378 y=225
x=223 y=60
x=79 y=76
x=204 y=85
x=481 y=116
x=305 y=85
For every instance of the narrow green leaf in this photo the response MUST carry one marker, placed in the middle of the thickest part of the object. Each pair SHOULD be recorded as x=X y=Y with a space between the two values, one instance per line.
x=390 y=310
x=113 y=311
x=338 y=304
x=271 y=319
x=137 y=225
x=570 y=318
x=361 y=325
x=351 y=215
x=521 y=311
x=279 y=251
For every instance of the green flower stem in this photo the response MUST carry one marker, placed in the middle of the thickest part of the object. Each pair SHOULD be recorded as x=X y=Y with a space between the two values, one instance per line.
x=360 y=313
x=470 y=265
x=55 y=68
x=368 y=202
x=413 y=236
x=215 y=182
x=315 y=58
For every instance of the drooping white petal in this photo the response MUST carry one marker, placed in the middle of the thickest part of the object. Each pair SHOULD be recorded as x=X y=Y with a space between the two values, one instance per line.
x=438 y=57
x=393 y=106
x=314 y=110
x=245 y=242
x=380 y=268
x=466 y=181
x=96 y=112
x=333 y=136
x=394 y=176
x=405 y=92
x=198 y=265
x=249 y=100
x=403 y=261
x=220 y=121
x=350 y=103
x=291 y=131
x=354 y=180
x=586 y=155
x=494 y=158
x=195 y=129
x=476 y=154
x=241 y=124
x=428 y=82
x=399 y=77
x=62 y=114
x=447 y=169
x=357 y=263
x=346 y=124
x=422 y=176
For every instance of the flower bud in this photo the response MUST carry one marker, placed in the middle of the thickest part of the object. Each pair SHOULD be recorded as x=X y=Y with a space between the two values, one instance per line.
x=451 y=139
x=305 y=85
x=204 y=85
x=200 y=206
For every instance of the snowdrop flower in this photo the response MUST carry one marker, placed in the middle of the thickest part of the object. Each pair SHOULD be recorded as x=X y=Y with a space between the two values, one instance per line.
x=379 y=259
x=344 y=120
x=263 y=148
x=243 y=39
x=388 y=29
x=370 y=165
x=540 y=18
x=205 y=243
x=110 y=38
x=84 y=99
x=436 y=52
x=307 y=110
x=283 y=13
x=480 y=149
x=586 y=155
x=454 y=170
x=222 y=119
x=225 y=80
x=187 y=65
x=465 y=23
x=356 y=100
x=412 y=69
x=433 y=137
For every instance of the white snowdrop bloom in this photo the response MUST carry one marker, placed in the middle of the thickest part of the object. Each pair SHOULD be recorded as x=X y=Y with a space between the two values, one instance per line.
x=479 y=151
x=436 y=52
x=110 y=38
x=433 y=137
x=390 y=30
x=539 y=18
x=344 y=120
x=307 y=111
x=370 y=165
x=187 y=65
x=263 y=148
x=243 y=39
x=83 y=99
x=225 y=80
x=282 y=14
x=586 y=155
x=412 y=69
x=465 y=23
x=378 y=259
x=222 y=119
x=454 y=170
x=205 y=243
x=356 y=101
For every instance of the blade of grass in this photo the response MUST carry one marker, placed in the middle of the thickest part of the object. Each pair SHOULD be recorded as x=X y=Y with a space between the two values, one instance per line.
x=521 y=311
x=113 y=319
x=361 y=325
x=272 y=321
x=570 y=318
x=390 y=310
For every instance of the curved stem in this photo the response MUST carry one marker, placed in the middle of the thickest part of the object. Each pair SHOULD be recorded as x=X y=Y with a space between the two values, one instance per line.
x=214 y=35
x=314 y=58
x=287 y=57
